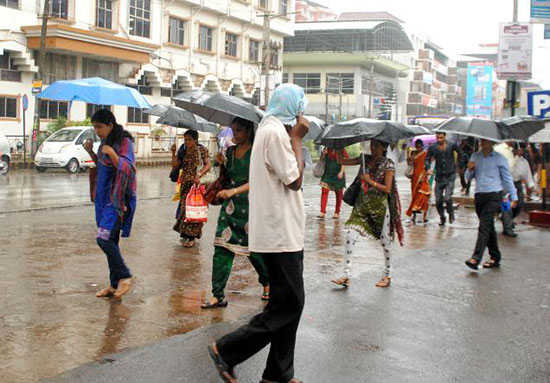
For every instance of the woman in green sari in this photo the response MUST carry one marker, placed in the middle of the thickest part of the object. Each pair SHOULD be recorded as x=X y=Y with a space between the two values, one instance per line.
x=232 y=230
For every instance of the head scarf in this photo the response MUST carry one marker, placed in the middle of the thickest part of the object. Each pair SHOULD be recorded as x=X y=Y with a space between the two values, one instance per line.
x=287 y=101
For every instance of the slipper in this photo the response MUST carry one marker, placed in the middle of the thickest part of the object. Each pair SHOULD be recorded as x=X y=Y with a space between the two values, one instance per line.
x=210 y=305
x=491 y=264
x=189 y=244
x=293 y=380
x=472 y=264
x=226 y=373
x=342 y=281
x=265 y=296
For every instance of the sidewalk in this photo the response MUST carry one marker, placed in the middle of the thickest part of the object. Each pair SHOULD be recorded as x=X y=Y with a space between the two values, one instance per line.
x=438 y=322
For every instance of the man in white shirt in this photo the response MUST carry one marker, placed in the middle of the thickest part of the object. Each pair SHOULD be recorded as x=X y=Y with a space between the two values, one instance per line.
x=396 y=155
x=521 y=174
x=276 y=230
x=506 y=150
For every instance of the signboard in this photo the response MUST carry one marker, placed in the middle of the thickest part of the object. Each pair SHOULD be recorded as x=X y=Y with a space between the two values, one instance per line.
x=547 y=31
x=36 y=87
x=479 y=90
x=538 y=103
x=540 y=11
x=515 y=47
x=25 y=102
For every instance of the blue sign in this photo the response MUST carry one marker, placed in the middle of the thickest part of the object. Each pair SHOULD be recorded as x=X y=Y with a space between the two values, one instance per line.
x=540 y=11
x=479 y=90
x=538 y=103
x=25 y=102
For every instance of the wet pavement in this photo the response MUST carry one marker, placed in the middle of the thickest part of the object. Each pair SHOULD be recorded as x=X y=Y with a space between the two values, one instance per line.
x=438 y=322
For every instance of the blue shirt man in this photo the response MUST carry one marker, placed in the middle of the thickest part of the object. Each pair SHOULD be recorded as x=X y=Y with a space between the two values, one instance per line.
x=492 y=174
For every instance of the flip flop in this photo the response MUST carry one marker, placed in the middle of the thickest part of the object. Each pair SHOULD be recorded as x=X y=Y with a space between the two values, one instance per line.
x=226 y=373
x=210 y=305
x=472 y=264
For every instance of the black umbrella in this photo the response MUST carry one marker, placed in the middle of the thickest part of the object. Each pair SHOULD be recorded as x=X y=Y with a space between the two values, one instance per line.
x=180 y=118
x=350 y=132
x=316 y=126
x=219 y=108
x=510 y=129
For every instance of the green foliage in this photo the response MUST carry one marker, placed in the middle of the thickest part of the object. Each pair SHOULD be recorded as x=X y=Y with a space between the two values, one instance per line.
x=354 y=150
x=158 y=131
x=312 y=151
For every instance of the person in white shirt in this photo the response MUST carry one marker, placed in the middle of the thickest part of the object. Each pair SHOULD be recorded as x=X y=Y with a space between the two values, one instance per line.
x=506 y=149
x=521 y=174
x=396 y=155
x=276 y=230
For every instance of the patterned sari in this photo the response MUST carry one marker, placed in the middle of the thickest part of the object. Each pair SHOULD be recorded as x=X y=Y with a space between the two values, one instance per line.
x=420 y=185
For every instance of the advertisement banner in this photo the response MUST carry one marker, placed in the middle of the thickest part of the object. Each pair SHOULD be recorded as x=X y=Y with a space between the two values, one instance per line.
x=479 y=90
x=515 y=47
x=540 y=11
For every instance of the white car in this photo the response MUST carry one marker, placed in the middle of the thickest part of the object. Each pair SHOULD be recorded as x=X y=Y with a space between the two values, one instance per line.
x=5 y=154
x=64 y=149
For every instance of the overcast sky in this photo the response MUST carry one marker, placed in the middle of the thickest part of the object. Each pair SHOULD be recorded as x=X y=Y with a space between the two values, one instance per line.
x=457 y=25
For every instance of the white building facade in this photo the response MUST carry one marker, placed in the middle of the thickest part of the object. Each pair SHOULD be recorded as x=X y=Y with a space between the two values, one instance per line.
x=161 y=47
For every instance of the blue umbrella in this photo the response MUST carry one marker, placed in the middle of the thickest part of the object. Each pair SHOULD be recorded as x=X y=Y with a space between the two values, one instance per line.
x=94 y=90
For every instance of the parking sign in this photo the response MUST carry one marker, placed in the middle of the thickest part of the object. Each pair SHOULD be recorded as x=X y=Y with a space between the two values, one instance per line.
x=538 y=103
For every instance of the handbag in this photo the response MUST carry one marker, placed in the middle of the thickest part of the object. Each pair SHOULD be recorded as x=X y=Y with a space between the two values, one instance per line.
x=210 y=195
x=352 y=192
x=210 y=177
x=319 y=168
x=409 y=171
x=196 y=207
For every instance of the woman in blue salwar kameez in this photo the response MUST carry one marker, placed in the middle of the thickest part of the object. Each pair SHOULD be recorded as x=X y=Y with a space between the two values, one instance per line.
x=115 y=196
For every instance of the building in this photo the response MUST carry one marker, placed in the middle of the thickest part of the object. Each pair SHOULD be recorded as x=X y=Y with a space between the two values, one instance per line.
x=347 y=67
x=310 y=11
x=158 y=47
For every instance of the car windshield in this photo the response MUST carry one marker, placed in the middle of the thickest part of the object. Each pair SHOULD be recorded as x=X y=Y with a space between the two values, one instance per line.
x=64 y=135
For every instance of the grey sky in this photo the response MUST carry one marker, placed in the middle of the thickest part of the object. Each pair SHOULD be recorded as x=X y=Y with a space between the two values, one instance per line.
x=457 y=25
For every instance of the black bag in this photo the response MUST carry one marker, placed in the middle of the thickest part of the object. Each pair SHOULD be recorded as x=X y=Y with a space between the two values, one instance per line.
x=175 y=173
x=352 y=192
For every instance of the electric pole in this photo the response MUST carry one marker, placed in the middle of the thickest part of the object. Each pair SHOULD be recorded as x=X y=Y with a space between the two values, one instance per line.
x=266 y=62
x=512 y=84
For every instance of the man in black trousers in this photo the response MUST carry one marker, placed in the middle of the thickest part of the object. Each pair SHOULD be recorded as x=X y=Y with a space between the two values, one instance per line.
x=276 y=231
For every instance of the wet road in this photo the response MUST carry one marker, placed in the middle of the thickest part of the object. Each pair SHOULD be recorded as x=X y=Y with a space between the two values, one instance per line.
x=50 y=320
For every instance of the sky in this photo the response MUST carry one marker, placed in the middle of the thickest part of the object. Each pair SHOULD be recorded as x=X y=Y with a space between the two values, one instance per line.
x=458 y=26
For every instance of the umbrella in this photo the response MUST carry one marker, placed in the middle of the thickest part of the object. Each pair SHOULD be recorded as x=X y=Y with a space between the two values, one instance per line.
x=510 y=129
x=350 y=132
x=180 y=118
x=427 y=139
x=316 y=126
x=542 y=136
x=94 y=90
x=420 y=130
x=219 y=108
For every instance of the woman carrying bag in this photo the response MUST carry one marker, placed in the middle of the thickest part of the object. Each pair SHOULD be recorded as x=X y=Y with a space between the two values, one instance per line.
x=333 y=179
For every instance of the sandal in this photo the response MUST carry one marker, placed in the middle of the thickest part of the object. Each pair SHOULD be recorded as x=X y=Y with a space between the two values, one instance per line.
x=293 y=380
x=106 y=292
x=226 y=373
x=209 y=305
x=265 y=295
x=336 y=216
x=342 y=281
x=322 y=215
x=189 y=244
x=491 y=264
x=384 y=282
x=472 y=264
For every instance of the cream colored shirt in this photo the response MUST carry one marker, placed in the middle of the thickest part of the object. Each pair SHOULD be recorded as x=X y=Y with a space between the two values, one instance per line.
x=508 y=153
x=277 y=215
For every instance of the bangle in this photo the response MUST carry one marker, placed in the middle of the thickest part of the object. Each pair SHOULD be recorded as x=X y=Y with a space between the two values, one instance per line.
x=235 y=192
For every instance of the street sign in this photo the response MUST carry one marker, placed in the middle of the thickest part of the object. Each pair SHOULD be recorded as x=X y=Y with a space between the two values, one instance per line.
x=515 y=47
x=25 y=102
x=540 y=11
x=36 y=87
x=547 y=31
x=538 y=103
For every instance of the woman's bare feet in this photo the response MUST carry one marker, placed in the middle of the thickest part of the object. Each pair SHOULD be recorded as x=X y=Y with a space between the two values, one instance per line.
x=106 y=292
x=342 y=281
x=384 y=282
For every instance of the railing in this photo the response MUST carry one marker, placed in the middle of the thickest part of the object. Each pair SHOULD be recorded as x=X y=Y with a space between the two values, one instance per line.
x=16 y=144
x=162 y=144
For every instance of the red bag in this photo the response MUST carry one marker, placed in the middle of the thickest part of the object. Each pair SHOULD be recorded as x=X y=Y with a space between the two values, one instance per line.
x=196 y=207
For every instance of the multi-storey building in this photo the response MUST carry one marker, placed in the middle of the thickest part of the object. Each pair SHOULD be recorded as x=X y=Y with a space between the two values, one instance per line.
x=158 y=47
x=310 y=11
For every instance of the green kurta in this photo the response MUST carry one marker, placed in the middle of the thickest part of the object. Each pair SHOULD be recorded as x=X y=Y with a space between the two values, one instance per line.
x=330 y=179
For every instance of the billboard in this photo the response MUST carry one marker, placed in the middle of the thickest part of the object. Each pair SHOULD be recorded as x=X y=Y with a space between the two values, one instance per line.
x=515 y=47
x=479 y=90
x=538 y=103
x=540 y=11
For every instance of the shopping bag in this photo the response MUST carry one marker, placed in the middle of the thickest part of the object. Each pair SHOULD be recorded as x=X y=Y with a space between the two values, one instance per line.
x=177 y=192
x=319 y=168
x=196 y=207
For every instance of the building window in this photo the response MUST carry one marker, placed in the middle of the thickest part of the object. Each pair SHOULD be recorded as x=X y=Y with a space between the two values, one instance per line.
x=8 y=69
x=264 y=4
x=143 y=87
x=8 y=107
x=59 y=67
x=136 y=116
x=140 y=18
x=311 y=82
x=59 y=8
x=205 y=38
x=254 y=51
x=169 y=92
x=283 y=7
x=104 y=69
x=285 y=78
x=10 y=3
x=104 y=14
x=176 y=32
x=92 y=108
x=341 y=83
x=231 y=44
x=50 y=110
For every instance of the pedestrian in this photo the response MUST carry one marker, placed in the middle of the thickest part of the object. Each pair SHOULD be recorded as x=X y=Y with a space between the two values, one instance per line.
x=397 y=156
x=115 y=196
x=232 y=230
x=443 y=152
x=507 y=216
x=333 y=179
x=462 y=164
x=277 y=226
x=493 y=177
x=521 y=174
x=377 y=210
x=194 y=161
x=420 y=184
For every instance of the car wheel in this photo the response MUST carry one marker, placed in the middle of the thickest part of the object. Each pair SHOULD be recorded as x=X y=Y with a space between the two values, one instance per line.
x=72 y=166
x=4 y=165
x=40 y=169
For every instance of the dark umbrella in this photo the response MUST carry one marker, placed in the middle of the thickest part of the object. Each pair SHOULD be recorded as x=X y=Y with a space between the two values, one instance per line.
x=180 y=118
x=219 y=108
x=350 y=132
x=316 y=126
x=510 y=129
